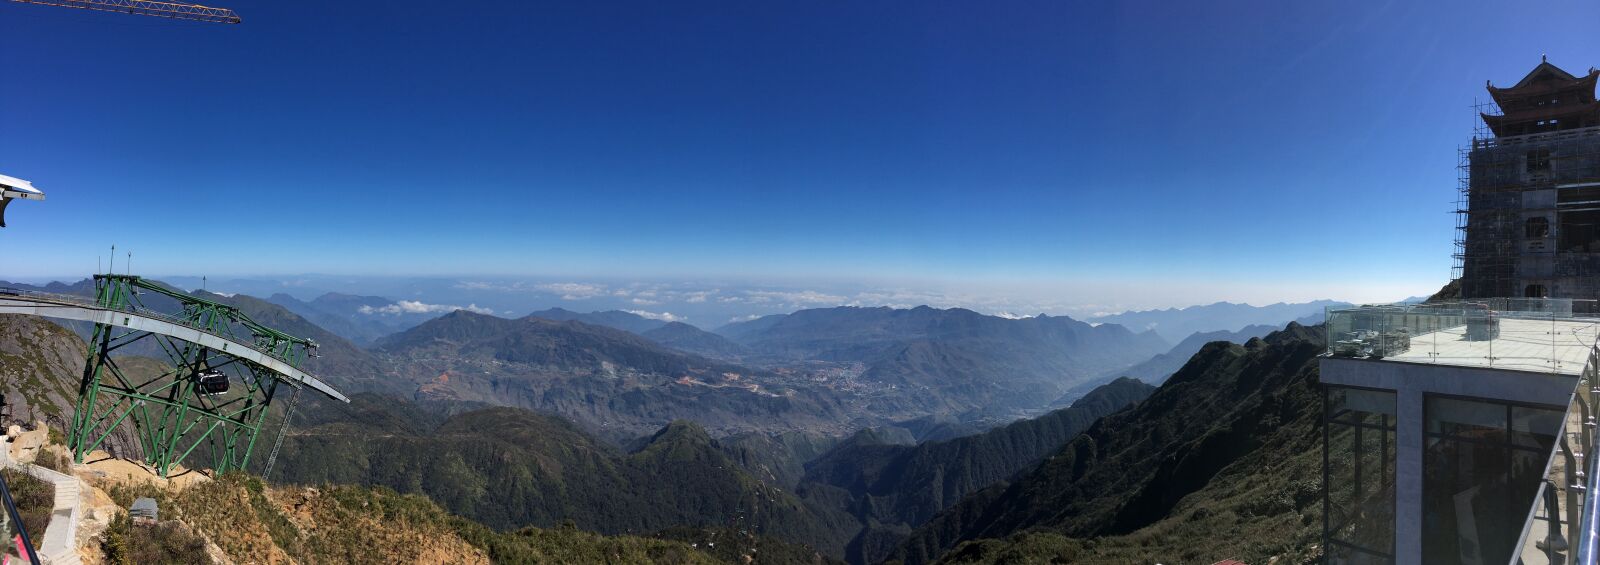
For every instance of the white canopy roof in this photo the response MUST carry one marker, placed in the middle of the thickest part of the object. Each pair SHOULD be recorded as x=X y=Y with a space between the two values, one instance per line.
x=12 y=187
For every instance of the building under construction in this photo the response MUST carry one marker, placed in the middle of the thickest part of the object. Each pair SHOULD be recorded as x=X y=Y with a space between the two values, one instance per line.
x=1529 y=210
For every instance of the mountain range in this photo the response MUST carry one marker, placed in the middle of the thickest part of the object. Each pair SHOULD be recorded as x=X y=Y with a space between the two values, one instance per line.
x=360 y=319
x=607 y=379
x=805 y=430
x=826 y=370
x=1228 y=443
x=625 y=321
x=509 y=467
x=1175 y=324
x=1158 y=368
x=951 y=360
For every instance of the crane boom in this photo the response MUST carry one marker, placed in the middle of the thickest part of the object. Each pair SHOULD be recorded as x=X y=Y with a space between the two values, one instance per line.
x=175 y=10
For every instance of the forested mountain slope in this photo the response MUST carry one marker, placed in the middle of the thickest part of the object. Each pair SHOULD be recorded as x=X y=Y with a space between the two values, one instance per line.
x=893 y=488
x=1221 y=461
x=508 y=467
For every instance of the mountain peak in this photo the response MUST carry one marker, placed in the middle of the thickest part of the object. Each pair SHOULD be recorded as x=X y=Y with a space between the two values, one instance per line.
x=679 y=441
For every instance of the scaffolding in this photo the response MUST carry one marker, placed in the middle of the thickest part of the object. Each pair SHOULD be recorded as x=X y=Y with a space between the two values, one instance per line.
x=1480 y=131
x=1528 y=213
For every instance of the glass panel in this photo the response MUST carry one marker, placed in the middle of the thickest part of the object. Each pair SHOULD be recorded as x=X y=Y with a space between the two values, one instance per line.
x=1538 y=334
x=1372 y=402
x=1464 y=418
x=1360 y=476
x=1535 y=428
x=1356 y=406
x=1478 y=486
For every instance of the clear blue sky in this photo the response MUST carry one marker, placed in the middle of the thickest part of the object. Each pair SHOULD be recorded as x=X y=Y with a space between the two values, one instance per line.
x=1194 y=150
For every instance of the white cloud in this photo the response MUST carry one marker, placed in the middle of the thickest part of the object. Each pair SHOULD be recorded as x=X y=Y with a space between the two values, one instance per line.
x=566 y=290
x=644 y=301
x=801 y=298
x=698 y=296
x=415 y=307
x=574 y=291
x=1010 y=316
x=663 y=316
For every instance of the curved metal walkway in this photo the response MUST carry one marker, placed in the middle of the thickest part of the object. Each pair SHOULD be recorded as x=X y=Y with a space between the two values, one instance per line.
x=74 y=308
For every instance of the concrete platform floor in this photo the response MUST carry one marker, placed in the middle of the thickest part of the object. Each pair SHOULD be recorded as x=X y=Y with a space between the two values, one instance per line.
x=1541 y=346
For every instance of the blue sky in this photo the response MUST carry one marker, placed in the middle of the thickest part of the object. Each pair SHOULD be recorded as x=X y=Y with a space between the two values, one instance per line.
x=1136 y=153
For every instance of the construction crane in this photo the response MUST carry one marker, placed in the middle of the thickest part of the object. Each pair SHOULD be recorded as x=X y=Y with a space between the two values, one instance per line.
x=12 y=188
x=174 y=10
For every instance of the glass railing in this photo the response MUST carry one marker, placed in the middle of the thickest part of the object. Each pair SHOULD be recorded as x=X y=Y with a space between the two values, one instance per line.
x=1523 y=334
x=1561 y=523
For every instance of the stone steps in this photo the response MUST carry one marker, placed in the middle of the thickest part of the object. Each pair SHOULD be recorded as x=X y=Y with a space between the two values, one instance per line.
x=59 y=546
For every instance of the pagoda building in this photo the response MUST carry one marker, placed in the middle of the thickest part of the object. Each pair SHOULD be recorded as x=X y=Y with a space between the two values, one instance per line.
x=1530 y=214
x=1548 y=99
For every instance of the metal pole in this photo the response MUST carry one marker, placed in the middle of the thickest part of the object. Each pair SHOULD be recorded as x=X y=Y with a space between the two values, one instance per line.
x=277 y=444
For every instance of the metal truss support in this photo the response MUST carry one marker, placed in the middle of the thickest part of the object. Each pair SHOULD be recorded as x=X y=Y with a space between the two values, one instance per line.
x=173 y=413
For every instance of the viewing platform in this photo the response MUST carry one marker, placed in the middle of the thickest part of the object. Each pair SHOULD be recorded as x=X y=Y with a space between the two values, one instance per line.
x=1457 y=432
x=1527 y=335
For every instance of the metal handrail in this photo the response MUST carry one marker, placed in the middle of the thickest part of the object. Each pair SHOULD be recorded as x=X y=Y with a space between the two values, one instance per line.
x=1588 y=543
x=1588 y=531
x=1588 y=534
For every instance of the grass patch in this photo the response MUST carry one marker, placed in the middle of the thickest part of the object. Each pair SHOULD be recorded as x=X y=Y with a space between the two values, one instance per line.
x=167 y=542
x=53 y=459
x=34 y=499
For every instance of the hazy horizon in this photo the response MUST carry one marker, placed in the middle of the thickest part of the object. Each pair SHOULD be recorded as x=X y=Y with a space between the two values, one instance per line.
x=709 y=303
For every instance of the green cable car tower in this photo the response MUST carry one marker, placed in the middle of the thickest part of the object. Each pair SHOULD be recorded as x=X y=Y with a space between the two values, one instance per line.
x=222 y=370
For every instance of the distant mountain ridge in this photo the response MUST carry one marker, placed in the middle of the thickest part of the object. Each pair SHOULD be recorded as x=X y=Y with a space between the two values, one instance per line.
x=566 y=345
x=1158 y=368
x=625 y=321
x=602 y=377
x=685 y=337
x=954 y=360
x=356 y=318
x=1175 y=324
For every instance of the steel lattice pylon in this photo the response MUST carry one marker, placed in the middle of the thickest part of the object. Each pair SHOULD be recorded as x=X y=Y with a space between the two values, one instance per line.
x=172 y=413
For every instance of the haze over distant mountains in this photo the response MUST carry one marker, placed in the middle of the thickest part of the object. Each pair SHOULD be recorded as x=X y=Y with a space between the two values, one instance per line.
x=839 y=364
x=705 y=303
x=821 y=369
x=1175 y=324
